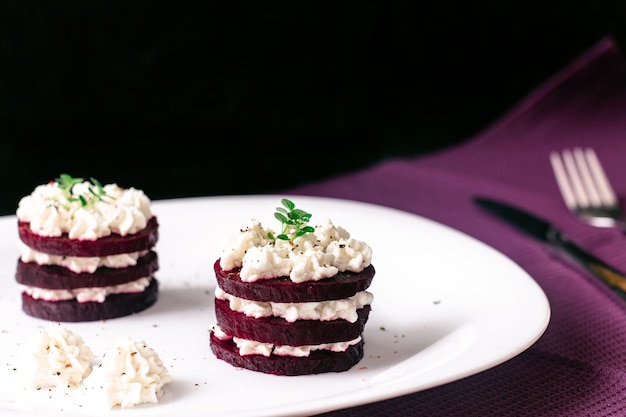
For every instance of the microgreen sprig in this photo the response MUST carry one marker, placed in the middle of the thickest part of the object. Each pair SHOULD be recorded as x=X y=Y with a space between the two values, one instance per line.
x=294 y=221
x=67 y=182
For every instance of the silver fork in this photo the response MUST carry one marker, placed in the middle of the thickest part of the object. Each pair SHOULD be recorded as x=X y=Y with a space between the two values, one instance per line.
x=586 y=189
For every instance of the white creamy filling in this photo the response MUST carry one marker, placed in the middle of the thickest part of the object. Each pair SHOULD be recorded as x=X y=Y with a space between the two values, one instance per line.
x=87 y=294
x=310 y=257
x=51 y=211
x=131 y=373
x=58 y=358
x=320 y=310
x=80 y=264
x=251 y=347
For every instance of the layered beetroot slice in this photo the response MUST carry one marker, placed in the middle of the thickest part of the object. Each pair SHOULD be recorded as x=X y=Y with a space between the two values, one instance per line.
x=319 y=361
x=109 y=245
x=283 y=290
x=114 y=306
x=57 y=277
x=279 y=331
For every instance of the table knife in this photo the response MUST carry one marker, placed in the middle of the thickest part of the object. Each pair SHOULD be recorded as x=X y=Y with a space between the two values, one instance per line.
x=547 y=233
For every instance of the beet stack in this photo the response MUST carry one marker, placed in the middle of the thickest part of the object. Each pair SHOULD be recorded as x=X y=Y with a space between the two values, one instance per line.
x=293 y=303
x=87 y=251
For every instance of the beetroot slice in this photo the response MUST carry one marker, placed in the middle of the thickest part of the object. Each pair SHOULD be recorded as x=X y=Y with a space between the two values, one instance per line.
x=283 y=290
x=115 y=305
x=109 y=245
x=319 y=361
x=281 y=332
x=58 y=277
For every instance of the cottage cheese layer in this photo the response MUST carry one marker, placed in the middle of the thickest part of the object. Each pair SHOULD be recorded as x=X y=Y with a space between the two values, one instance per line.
x=86 y=294
x=80 y=264
x=59 y=359
x=52 y=211
x=310 y=257
x=251 y=347
x=131 y=373
x=345 y=309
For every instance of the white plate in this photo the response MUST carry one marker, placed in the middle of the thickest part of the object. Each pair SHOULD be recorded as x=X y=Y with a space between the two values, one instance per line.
x=446 y=306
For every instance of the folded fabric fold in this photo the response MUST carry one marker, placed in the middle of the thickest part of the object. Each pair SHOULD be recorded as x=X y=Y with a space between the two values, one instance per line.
x=578 y=366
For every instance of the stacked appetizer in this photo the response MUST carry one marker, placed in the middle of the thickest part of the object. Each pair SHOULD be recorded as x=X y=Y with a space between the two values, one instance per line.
x=293 y=302
x=87 y=251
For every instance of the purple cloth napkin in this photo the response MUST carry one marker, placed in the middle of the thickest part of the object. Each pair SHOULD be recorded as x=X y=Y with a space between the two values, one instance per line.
x=578 y=367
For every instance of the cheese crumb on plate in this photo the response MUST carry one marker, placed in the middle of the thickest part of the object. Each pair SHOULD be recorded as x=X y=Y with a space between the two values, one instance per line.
x=131 y=373
x=59 y=358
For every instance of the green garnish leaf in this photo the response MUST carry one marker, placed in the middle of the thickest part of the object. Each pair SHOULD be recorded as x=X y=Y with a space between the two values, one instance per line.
x=67 y=182
x=294 y=221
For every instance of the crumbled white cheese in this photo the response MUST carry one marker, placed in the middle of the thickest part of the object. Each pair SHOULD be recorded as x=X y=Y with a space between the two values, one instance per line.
x=131 y=373
x=51 y=212
x=251 y=347
x=79 y=264
x=345 y=309
x=59 y=358
x=310 y=257
x=82 y=295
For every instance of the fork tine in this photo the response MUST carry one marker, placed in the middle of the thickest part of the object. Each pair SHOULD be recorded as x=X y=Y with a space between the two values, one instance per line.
x=587 y=179
x=585 y=187
x=575 y=179
x=605 y=191
x=562 y=180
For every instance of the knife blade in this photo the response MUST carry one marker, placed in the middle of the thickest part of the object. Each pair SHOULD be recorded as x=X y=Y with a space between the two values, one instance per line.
x=563 y=245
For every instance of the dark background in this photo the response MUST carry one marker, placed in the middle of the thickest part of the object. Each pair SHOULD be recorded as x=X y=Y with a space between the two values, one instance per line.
x=186 y=98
